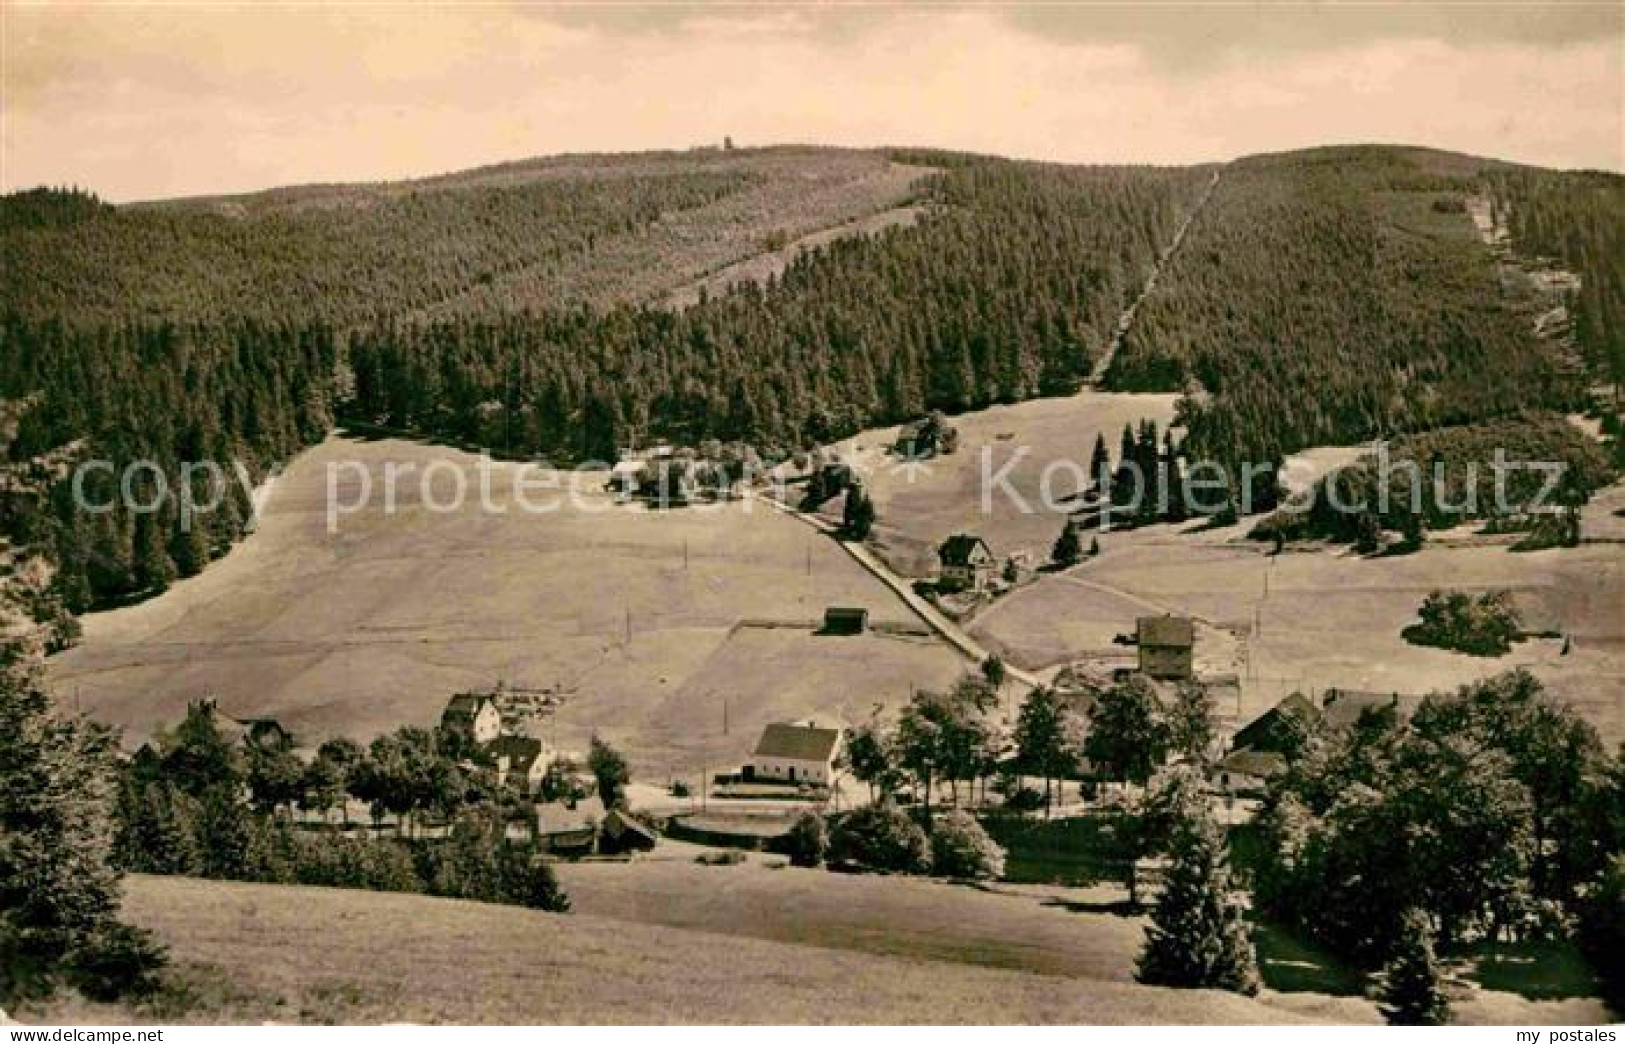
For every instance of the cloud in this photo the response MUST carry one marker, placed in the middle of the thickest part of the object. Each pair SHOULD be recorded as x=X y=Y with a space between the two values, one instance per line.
x=146 y=102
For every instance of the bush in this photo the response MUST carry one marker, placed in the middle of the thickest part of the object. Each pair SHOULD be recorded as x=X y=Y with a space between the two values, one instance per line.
x=880 y=837
x=808 y=840
x=117 y=961
x=530 y=881
x=1024 y=799
x=961 y=848
x=1482 y=626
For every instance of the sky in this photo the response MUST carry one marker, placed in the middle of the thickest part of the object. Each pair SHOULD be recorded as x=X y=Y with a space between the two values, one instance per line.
x=138 y=100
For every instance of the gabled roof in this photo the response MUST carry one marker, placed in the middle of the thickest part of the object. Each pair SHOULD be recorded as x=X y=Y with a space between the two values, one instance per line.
x=1343 y=708
x=798 y=742
x=465 y=705
x=1261 y=732
x=521 y=751
x=958 y=549
x=617 y=823
x=1166 y=632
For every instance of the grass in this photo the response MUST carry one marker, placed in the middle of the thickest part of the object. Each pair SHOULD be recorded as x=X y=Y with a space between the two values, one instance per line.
x=666 y=940
x=377 y=625
x=258 y=953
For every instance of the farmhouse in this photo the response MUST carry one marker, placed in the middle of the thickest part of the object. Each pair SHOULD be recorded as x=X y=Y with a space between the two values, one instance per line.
x=519 y=760
x=1246 y=772
x=966 y=562
x=1279 y=729
x=1166 y=647
x=473 y=716
x=796 y=752
x=843 y=620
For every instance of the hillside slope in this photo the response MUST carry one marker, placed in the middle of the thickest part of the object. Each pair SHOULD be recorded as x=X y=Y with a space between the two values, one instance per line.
x=248 y=953
x=268 y=953
x=552 y=232
x=1334 y=295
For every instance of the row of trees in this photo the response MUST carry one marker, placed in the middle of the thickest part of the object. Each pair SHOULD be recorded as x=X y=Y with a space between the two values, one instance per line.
x=1121 y=731
x=202 y=801
x=1497 y=471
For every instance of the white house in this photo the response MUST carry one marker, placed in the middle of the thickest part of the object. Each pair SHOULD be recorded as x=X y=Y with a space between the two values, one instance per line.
x=474 y=716
x=520 y=760
x=966 y=563
x=797 y=752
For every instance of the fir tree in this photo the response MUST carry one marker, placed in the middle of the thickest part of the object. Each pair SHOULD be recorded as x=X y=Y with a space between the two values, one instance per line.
x=1412 y=987
x=1197 y=938
x=1068 y=548
x=858 y=519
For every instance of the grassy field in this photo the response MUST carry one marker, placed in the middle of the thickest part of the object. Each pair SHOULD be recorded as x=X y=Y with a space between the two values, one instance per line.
x=918 y=507
x=376 y=625
x=257 y=953
x=683 y=943
x=1328 y=618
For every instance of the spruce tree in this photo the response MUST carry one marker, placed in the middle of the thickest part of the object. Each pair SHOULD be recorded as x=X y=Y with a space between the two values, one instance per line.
x=1412 y=987
x=1197 y=938
x=858 y=520
x=1068 y=548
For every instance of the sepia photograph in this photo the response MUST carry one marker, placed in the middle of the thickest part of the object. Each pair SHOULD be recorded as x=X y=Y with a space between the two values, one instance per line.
x=716 y=514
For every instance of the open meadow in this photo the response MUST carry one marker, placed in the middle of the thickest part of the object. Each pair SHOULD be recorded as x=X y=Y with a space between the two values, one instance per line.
x=1312 y=618
x=920 y=505
x=685 y=943
x=649 y=623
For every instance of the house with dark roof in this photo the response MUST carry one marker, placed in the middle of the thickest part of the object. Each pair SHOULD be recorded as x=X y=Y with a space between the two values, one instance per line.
x=965 y=563
x=1279 y=729
x=796 y=752
x=473 y=716
x=520 y=761
x=1167 y=647
x=1346 y=708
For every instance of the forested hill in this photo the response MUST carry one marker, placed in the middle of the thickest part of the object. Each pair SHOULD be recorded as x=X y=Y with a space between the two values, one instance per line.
x=1341 y=294
x=1324 y=296
x=1008 y=287
x=593 y=230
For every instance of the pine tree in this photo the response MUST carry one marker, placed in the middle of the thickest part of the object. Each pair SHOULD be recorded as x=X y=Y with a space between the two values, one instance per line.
x=1412 y=987
x=1197 y=938
x=859 y=517
x=1068 y=548
x=1100 y=468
